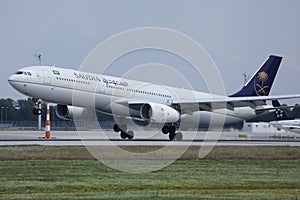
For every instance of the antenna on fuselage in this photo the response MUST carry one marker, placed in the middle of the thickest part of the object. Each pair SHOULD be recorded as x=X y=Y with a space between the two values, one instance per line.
x=38 y=57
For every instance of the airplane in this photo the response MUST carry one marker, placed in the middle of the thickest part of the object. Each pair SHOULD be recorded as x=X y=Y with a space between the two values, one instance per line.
x=289 y=125
x=146 y=102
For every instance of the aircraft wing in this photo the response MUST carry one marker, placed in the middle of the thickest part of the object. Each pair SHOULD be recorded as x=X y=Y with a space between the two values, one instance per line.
x=209 y=104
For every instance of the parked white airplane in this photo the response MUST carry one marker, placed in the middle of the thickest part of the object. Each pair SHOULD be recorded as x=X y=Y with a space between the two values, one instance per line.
x=146 y=101
x=289 y=125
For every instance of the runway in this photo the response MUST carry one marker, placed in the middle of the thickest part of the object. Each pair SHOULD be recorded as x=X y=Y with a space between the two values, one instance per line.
x=147 y=138
x=147 y=143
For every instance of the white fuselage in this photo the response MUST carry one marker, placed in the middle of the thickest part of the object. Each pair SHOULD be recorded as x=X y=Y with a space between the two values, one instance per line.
x=289 y=125
x=104 y=93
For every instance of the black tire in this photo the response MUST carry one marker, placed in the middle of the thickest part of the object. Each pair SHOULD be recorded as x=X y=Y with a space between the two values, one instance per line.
x=130 y=135
x=172 y=129
x=39 y=111
x=165 y=130
x=123 y=135
x=172 y=136
x=116 y=128
x=178 y=136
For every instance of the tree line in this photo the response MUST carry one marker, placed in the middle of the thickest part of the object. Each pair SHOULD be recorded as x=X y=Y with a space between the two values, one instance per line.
x=22 y=110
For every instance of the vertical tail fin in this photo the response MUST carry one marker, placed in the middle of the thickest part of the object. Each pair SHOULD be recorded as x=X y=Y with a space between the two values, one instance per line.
x=261 y=82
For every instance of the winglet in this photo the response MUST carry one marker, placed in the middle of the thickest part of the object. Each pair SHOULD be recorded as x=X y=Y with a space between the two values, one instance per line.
x=261 y=82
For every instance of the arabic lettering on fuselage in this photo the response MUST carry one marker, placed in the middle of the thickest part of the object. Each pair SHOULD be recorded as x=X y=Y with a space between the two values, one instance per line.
x=114 y=82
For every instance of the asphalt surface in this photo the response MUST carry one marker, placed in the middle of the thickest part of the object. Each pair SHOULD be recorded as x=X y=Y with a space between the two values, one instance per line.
x=148 y=138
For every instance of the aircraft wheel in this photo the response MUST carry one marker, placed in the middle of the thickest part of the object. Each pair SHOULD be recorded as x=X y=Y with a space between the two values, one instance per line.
x=172 y=136
x=116 y=128
x=165 y=130
x=123 y=135
x=130 y=135
x=172 y=129
x=37 y=111
x=178 y=136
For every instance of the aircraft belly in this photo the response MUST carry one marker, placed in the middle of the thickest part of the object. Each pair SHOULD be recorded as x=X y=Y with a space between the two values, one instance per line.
x=103 y=102
x=67 y=96
x=50 y=93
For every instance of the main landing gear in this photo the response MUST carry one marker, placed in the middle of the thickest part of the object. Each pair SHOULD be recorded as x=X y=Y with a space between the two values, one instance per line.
x=124 y=133
x=171 y=130
x=166 y=129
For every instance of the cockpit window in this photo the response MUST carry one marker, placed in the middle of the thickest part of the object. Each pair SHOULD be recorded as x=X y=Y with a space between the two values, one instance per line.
x=19 y=72
x=24 y=73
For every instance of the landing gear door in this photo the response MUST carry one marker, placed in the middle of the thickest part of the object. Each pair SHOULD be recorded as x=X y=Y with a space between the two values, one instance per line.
x=47 y=78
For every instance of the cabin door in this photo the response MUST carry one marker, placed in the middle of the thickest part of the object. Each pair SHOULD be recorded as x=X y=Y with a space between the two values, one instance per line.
x=47 y=78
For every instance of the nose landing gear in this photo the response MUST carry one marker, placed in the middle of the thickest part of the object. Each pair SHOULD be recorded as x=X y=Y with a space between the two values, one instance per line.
x=38 y=106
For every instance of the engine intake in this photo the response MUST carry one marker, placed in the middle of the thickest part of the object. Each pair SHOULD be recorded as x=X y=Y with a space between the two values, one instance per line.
x=70 y=112
x=159 y=113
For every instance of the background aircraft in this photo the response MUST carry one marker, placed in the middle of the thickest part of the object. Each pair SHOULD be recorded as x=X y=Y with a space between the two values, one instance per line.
x=289 y=125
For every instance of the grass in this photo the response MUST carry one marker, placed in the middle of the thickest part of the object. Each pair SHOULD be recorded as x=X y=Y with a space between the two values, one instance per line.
x=30 y=152
x=88 y=179
x=10 y=129
x=41 y=172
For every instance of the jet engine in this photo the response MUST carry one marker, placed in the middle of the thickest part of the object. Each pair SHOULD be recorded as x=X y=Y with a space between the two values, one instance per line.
x=159 y=113
x=70 y=112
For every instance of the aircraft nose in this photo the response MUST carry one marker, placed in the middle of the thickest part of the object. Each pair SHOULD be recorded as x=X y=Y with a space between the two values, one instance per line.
x=14 y=82
x=10 y=79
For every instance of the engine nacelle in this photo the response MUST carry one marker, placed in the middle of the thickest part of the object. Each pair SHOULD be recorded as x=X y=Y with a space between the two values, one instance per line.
x=70 y=112
x=159 y=113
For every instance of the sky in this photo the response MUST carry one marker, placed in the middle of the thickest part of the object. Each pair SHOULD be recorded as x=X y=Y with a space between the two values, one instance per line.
x=239 y=35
